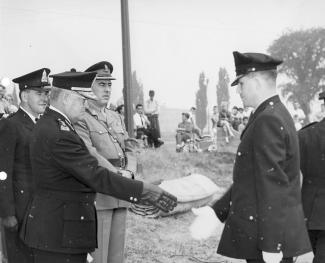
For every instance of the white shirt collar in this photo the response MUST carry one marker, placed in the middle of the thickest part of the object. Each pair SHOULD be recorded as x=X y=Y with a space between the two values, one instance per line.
x=55 y=109
x=30 y=115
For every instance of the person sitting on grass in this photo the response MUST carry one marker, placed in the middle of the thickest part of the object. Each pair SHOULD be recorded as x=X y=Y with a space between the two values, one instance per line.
x=184 y=131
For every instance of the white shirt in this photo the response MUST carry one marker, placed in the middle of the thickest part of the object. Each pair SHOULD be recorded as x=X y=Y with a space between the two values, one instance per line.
x=55 y=109
x=30 y=115
x=140 y=120
x=151 y=107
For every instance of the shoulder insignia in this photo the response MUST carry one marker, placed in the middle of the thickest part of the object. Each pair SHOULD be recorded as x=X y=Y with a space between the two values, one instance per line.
x=63 y=125
x=309 y=125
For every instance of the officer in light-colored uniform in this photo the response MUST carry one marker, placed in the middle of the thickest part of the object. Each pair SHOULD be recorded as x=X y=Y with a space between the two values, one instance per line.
x=99 y=129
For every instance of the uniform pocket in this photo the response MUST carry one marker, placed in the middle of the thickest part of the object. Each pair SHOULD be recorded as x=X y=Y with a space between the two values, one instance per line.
x=79 y=226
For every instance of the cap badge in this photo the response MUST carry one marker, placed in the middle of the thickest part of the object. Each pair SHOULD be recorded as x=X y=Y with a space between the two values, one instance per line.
x=106 y=67
x=63 y=125
x=44 y=77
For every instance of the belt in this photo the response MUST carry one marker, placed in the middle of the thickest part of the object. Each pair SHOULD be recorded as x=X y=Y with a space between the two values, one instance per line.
x=67 y=196
x=119 y=162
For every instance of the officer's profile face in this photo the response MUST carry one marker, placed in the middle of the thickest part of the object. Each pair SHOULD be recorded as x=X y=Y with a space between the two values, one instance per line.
x=246 y=88
x=35 y=100
x=75 y=106
x=102 y=90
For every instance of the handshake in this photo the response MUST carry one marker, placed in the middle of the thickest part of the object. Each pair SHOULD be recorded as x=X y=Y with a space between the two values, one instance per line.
x=157 y=197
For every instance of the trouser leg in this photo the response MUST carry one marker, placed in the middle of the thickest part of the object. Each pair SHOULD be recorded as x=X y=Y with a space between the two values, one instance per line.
x=104 y=219
x=317 y=239
x=17 y=251
x=116 y=246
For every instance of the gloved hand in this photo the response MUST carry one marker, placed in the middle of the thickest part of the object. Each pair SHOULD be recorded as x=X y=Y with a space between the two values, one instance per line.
x=157 y=197
x=10 y=222
x=272 y=257
x=205 y=224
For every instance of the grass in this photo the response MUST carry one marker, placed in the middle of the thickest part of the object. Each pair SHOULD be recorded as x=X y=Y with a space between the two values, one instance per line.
x=167 y=240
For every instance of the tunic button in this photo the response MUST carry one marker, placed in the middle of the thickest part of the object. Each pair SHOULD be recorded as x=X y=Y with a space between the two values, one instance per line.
x=3 y=176
x=135 y=200
x=251 y=218
x=131 y=198
x=22 y=191
x=82 y=218
x=239 y=153
x=271 y=103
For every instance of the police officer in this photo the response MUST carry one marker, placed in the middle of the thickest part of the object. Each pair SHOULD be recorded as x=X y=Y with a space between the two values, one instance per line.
x=262 y=211
x=312 y=166
x=98 y=129
x=60 y=223
x=16 y=184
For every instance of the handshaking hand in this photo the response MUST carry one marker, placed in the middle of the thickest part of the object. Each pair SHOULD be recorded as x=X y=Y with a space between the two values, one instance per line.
x=205 y=224
x=272 y=257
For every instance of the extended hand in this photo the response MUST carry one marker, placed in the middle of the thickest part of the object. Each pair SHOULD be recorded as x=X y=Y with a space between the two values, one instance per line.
x=157 y=197
x=10 y=222
x=205 y=224
x=272 y=257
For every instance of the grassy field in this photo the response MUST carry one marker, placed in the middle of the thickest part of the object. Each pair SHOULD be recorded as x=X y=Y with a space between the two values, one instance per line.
x=167 y=240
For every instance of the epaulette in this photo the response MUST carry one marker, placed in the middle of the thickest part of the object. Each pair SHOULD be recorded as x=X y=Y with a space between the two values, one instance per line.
x=309 y=125
x=63 y=126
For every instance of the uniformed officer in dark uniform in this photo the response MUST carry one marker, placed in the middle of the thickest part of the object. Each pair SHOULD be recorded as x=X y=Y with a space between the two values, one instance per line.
x=312 y=166
x=262 y=211
x=60 y=223
x=16 y=184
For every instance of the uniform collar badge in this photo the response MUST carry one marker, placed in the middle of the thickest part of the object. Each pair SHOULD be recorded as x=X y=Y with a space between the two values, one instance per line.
x=63 y=125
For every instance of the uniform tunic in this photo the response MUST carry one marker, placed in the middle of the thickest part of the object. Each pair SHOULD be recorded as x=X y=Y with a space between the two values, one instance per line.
x=262 y=210
x=16 y=190
x=62 y=216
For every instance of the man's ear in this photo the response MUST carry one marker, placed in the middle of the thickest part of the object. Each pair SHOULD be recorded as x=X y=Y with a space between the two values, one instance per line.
x=24 y=96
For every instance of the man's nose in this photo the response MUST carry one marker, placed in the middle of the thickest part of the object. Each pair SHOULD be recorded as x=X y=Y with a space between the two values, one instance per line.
x=86 y=104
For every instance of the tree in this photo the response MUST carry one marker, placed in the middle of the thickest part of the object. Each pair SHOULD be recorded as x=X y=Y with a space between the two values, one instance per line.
x=303 y=53
x=137 y=90
x=222 y=87
x=202 y=102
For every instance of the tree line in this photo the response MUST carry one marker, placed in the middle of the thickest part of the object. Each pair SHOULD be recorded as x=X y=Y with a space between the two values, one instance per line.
x=303 y=53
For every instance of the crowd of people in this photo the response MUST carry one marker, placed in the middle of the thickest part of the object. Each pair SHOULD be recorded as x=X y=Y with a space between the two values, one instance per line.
x=66 y=178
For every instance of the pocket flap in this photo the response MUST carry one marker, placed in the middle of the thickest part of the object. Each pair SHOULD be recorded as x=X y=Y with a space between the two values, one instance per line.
x=79 y=212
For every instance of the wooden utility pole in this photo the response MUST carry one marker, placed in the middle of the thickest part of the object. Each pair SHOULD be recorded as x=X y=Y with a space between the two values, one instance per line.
x=127 y=89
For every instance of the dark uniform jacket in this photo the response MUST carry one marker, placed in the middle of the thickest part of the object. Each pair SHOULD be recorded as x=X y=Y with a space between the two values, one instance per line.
x=262 y=210
x=312 y=165
x=16 y=190
x=62 y=216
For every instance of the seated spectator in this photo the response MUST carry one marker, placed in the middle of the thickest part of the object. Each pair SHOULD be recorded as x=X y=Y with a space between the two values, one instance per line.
x=184 y=131
x=242 y=125
x=4 y=104
x=235 y=121
x=224 y=122
x=141 y=126
x=240 y=114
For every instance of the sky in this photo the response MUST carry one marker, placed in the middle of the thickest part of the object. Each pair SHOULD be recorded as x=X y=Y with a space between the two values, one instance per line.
x=172 y=41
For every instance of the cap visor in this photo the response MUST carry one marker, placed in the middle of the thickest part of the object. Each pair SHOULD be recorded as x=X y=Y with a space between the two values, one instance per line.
x=235 y=82
x=41 y=88
x=87 y=94
x=104 y=78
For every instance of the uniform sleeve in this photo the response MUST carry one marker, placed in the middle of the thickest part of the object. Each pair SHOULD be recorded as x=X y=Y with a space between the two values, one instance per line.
x=83 y=132
x=222 y=206
x=72 y=156
x=7 y=154
x=271 y=181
